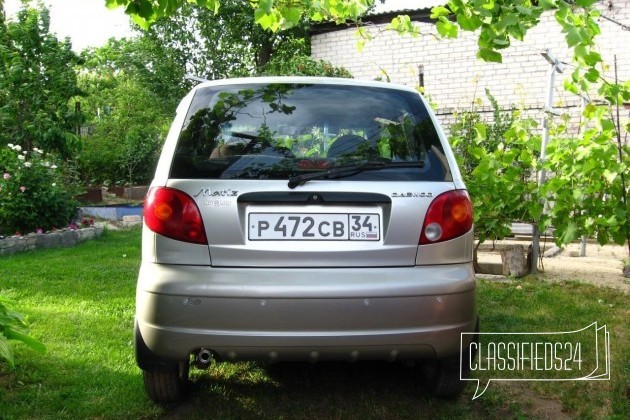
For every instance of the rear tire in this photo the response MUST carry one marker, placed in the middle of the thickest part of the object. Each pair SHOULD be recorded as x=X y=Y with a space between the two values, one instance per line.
x=167 y=385
x=445 y=382
x=444 y=375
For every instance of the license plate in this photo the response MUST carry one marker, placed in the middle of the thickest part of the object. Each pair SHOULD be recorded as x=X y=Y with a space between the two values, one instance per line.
x=314 y=227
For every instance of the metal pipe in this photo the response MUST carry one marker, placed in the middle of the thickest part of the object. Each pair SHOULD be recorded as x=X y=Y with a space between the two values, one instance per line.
x=203 y=359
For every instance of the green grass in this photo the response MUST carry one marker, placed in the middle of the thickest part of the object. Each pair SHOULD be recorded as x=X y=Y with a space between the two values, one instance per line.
x=80 y=302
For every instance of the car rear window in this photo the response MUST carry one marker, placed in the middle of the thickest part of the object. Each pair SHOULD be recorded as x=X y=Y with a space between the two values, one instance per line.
x=278 y=131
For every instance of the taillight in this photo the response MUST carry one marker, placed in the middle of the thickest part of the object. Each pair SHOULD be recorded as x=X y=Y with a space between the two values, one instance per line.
x=174 y=214
x=450 y=215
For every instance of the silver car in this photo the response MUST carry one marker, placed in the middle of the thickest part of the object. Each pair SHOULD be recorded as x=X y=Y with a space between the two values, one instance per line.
x=304 y=219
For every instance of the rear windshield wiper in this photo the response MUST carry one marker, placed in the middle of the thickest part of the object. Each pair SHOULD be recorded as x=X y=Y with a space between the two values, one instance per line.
x=346 y=171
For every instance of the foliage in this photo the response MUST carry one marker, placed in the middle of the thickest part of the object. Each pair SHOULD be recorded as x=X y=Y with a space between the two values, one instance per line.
x=302 y=65
x=497 y=160
x=587 y=184
x=37 y=82
x=14 y=326
x=583 y=195
x=469 y=125
x=227 y=43
x=501 y=21
x=127 y=130
x=155 y=67
x=269 y=14
x=35 y=193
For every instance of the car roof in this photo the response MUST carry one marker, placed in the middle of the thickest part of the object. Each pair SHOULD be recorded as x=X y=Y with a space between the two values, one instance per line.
x=304 y=80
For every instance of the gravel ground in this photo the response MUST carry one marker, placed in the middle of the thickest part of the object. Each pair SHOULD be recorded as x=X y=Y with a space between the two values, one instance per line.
x=602 y=265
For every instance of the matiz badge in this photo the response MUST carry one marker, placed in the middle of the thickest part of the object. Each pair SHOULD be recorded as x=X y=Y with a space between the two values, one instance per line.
x=412 y=195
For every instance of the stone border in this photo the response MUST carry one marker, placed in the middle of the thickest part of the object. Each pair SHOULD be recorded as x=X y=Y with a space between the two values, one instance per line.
x=63 y=238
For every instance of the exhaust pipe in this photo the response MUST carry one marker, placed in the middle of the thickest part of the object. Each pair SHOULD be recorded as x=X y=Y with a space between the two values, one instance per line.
x=203 y=359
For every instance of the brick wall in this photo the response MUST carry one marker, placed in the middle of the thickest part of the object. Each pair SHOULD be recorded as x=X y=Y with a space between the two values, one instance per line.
x=454 y=77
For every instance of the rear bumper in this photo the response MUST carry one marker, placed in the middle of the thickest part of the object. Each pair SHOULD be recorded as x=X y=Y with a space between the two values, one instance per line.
x=305 y=314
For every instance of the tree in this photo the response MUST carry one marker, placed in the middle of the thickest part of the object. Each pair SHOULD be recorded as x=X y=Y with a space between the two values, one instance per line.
x=154 y=66
x=128 y=128
x=37 y=80
x=227 y=43
x=132 y=87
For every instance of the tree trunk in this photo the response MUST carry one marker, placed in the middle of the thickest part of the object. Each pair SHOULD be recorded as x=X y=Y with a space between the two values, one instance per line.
x=514 y=261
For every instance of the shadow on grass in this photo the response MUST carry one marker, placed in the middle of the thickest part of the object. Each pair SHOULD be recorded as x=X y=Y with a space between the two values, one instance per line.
x=323 y=390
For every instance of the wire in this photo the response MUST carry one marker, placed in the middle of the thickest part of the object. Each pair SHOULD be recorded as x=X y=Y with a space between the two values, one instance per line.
x=621 y=25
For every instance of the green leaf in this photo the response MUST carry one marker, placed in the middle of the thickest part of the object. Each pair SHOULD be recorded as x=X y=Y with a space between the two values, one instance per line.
x=265 y=5
x=264 y=19
x=439 y=11
x=469 y=23
x=501 y=42
x=573 y=37
x=480 y=131
x=5 y=351
x=292 y=15
x=112 y=4
x=447 y=28
x=506 y=21
x=547 y=4
x=609 y=176
x=26 y=339
x=570 y=234
x=570 y=86
x=142 y=8
x=592 y=75
x=490 y=55
x=586 y=3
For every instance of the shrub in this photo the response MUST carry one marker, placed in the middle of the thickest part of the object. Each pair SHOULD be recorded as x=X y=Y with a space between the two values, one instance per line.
x=35 y=193
x=498 y=159
x=302 y=65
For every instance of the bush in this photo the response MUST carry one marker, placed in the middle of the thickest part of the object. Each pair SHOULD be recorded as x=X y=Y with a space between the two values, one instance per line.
x=302 y=65
x=498 y=159
x=35 y=193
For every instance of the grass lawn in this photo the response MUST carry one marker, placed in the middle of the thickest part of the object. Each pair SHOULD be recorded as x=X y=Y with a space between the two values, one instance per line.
x=80 y=302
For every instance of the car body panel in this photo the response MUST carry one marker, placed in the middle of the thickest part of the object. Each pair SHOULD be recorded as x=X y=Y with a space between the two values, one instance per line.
x=296 y=311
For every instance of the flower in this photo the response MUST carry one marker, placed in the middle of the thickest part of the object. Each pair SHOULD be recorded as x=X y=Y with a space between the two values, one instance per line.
x=22 y=188
x=39 y=230
x=53 y=167
x=54 y=184
x=6 y=175
x=21 y=157
x=28 y=164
